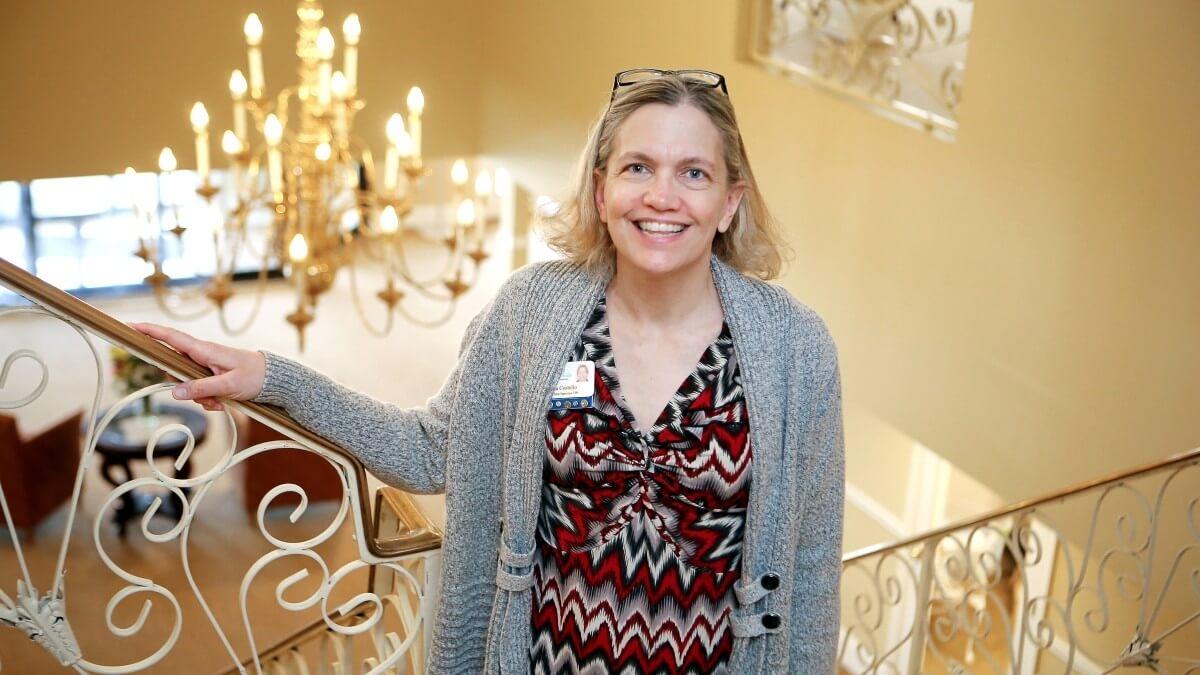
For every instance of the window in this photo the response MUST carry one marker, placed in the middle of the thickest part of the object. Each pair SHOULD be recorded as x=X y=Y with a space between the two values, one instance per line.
x=81 y=233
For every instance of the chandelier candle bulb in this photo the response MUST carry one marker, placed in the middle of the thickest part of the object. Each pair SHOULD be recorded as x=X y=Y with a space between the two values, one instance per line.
x=405 y=146
x=466 y=213
x=341 y=94
x=465 y=218
x=298 y=253
x=253 y=29
x=200 y=126
x=293 y=165
x=230 y=143
x=237 y=88
x=416 y=105
x=480 y=220
x=391 y=166
x=483 y=191
x=325 y=48
x=338 y=85
x=351 y=30
x=483 y=184
x=297 y=249
x=166 y=161
x=273 y=131
x=459 y=174
x=389 y=222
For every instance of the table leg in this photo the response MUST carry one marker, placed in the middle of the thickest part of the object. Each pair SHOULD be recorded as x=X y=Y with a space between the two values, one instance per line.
x=127 y=508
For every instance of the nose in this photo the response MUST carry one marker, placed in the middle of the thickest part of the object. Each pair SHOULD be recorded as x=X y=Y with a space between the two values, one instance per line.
x=660 y=193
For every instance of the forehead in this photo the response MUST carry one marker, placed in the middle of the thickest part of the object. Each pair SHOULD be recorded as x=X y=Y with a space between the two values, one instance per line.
x=668 y=133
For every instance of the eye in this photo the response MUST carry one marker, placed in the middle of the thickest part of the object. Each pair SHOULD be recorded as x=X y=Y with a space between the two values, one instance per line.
x=637 y=168
x=696 y=174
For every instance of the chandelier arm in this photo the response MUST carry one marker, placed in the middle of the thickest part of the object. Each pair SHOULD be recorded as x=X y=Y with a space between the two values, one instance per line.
x=362 y=314
x=260 y=288
x=425 y=292
x=308 y=172
x=369 y=243
x=160 y=297
x=246 y=240
x=239 y=221
x=440 y=321
x=424 y=288
x=474 y=277
x=405 y=273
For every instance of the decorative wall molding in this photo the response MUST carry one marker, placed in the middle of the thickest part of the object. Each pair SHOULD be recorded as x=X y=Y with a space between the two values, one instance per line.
x=904 y=59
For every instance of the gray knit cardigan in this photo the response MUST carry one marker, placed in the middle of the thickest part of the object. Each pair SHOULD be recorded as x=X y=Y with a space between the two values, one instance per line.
x=481 y=440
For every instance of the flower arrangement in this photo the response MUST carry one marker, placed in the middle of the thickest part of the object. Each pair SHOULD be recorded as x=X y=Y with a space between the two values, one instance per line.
x=131 y=374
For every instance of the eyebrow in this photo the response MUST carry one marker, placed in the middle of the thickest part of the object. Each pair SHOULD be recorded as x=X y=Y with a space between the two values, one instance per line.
x=643 y=157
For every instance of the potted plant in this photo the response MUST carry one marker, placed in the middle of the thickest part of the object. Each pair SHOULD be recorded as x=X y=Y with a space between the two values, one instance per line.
x=131 y=373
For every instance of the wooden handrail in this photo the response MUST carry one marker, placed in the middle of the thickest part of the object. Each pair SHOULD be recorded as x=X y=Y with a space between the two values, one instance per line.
x=417 y=533
x=78 y=312
x=1058 y=495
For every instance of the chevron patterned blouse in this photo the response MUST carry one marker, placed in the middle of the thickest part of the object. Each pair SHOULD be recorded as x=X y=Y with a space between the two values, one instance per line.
x=639 y=536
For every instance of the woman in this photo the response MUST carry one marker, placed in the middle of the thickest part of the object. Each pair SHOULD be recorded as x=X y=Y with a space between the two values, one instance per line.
x=661 y=527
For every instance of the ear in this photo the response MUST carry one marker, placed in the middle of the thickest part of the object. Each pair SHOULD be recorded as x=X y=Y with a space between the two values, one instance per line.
x=598 y=178
x=733 y=199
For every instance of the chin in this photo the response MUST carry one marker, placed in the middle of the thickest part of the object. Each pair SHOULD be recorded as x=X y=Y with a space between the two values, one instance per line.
x=663 y=262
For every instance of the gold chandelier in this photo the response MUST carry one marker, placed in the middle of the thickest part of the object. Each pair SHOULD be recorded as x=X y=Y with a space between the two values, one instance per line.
x=328 y=205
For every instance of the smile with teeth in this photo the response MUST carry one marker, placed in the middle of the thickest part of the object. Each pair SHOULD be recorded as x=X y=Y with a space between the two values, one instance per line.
x=657 y=228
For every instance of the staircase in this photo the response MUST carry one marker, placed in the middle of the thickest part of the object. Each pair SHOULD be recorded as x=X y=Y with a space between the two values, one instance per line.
x=1099 y=577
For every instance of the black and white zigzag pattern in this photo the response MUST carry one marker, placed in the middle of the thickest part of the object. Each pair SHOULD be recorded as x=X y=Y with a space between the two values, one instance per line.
x=640 y=535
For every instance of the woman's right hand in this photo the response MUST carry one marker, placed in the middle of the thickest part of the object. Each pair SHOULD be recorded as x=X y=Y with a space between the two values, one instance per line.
x=237 y=373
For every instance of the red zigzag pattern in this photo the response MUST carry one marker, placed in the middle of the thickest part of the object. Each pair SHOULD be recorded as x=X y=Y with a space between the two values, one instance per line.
x=640 y=535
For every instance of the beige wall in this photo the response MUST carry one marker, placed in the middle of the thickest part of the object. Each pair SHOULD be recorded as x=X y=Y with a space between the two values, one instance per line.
x=1022 y=301
x=90 y=87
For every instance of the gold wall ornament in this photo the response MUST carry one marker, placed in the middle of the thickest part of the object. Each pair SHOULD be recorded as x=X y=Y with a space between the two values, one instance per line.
x=329 y=207
x=903 y=59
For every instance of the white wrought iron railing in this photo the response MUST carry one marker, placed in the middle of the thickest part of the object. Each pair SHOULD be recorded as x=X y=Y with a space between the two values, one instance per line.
x=1096 y=578
x=395 y=543
x=322 y=649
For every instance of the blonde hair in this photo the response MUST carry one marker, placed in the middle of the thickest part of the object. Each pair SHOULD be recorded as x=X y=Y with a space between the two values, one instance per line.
x=752 y=243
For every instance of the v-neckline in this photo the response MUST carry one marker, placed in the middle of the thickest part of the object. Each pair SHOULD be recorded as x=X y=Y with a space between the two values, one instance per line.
x=613 y=381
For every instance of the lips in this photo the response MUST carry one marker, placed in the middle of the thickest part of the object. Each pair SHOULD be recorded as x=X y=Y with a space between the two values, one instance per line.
x=659 y=228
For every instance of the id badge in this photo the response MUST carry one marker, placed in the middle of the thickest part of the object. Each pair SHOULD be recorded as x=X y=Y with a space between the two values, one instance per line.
x=576 y=386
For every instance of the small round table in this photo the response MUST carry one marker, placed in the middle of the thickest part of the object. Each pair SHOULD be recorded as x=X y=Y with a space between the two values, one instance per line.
x=124 y=441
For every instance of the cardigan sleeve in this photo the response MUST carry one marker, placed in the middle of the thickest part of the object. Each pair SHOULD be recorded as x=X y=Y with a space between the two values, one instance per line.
x=815 y=602
x=403 y=447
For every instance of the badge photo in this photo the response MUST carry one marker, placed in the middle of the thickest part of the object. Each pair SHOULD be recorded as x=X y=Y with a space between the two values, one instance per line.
x=576 y=387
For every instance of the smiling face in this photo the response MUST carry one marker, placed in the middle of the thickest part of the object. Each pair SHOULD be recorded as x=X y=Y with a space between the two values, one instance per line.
x=663 y=194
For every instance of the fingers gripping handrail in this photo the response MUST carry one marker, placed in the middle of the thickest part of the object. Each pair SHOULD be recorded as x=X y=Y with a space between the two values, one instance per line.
x=76 y=311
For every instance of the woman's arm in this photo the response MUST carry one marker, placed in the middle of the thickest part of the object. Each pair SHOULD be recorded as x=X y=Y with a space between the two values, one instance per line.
x=816 y=605
x=402 y=447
